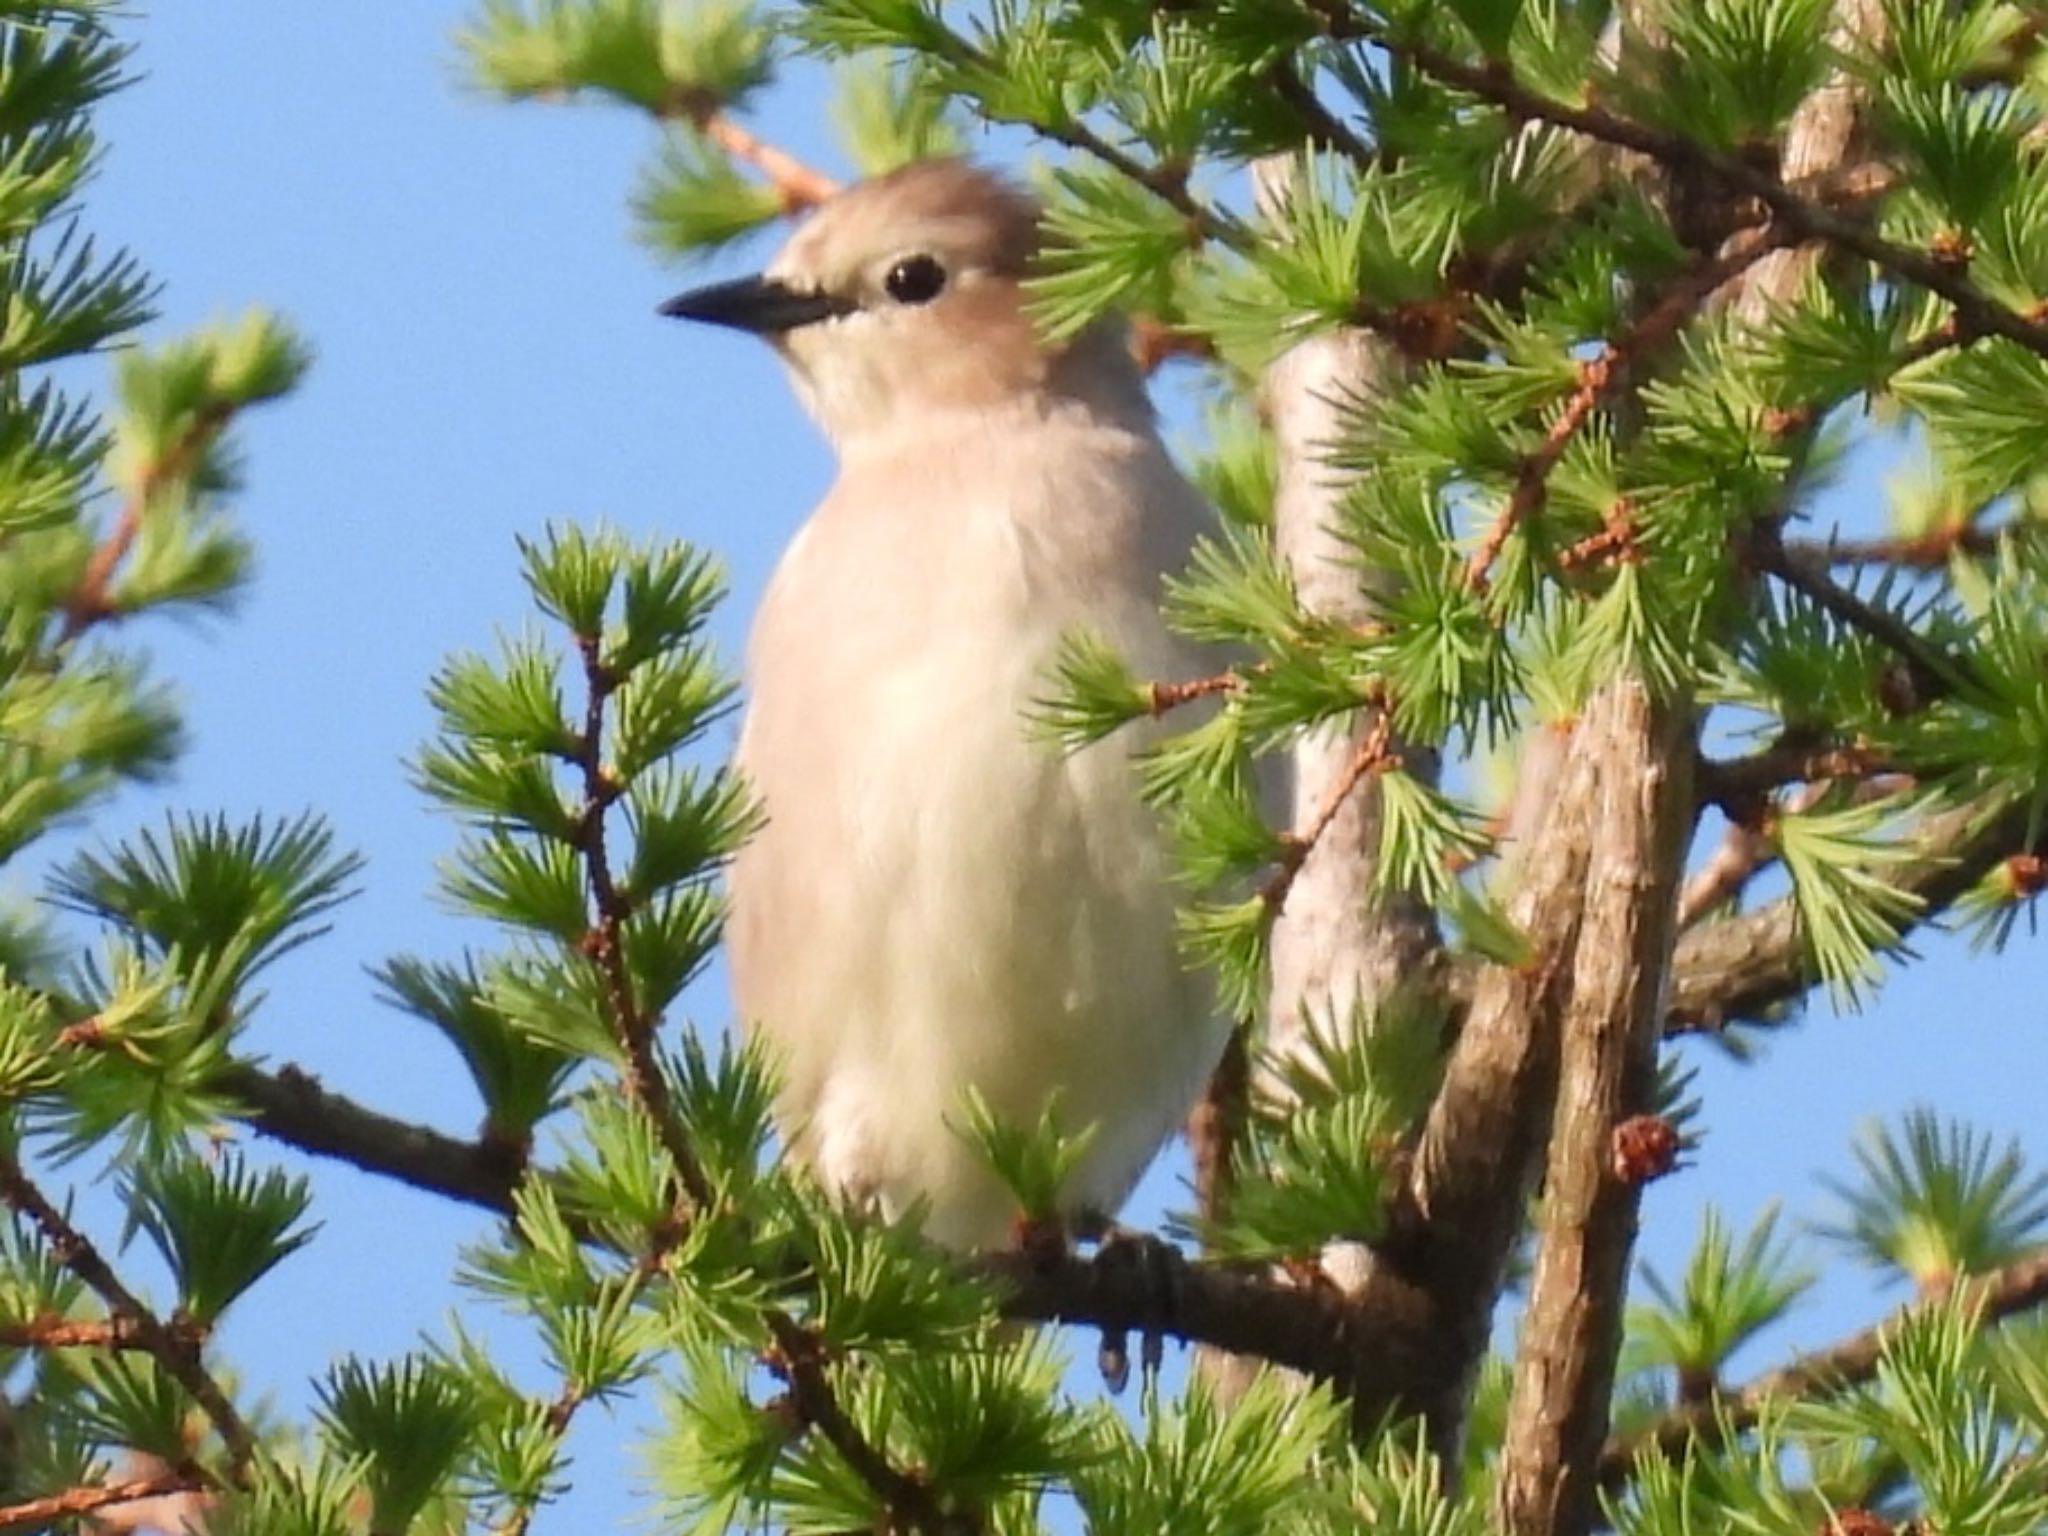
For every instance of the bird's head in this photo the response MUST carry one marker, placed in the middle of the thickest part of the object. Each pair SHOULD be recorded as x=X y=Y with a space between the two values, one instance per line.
x=898 y=303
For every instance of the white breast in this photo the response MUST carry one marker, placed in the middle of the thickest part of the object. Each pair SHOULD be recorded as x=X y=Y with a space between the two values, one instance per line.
x=938 y=899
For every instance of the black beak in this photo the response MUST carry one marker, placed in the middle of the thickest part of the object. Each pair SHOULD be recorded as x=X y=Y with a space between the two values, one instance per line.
x=758 y=304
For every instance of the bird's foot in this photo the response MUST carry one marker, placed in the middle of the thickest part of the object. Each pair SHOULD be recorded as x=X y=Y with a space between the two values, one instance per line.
x=1159 y=1267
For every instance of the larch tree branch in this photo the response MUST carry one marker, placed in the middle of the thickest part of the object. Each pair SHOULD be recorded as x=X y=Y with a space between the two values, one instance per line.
x=1450 y=1237
x=1547 y=1483
x=90 y=601
x=1745 y=967
x=175 y=1347
x=96 y=1498
x=1640 y=750
x=1805 y=217
x=1340 y=947
x=2020 y=1286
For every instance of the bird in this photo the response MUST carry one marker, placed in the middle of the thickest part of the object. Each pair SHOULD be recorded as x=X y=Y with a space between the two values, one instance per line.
x=938 y=903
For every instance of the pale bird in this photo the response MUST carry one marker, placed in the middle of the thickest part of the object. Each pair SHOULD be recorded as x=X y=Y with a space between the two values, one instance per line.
x=939 y=900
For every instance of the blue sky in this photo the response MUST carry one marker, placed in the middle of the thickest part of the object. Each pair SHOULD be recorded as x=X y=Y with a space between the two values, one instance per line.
x=488 y=360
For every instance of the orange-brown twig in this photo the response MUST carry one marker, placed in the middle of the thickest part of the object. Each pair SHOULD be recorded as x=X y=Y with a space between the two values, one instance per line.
x=83 y=1500
x=605 y=942
x=1616 y=539
x=175 y=1348
x=798 y=1357
x=801 y=187
x=1601 y=378
x=1928 y=551
x=560 y=1413
x=51 y=1331
x=1375 y=754
x=88 y=605
x=1154 y=343
x=1167 y=696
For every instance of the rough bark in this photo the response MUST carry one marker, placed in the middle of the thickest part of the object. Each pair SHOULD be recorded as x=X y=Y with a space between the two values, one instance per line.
x=1481 y=1143
x=1638 y=754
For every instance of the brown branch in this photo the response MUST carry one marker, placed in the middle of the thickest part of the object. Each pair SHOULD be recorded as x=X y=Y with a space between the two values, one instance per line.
x=1375 y=754
x=1450 y=1234
x=1744 y=967
x=1197 y=1303
x=1603 y=377
x=88 y=603
x=51 y=1331
x=1932 y=675
x=2016 y=1287
x=1798 y=216
x=84 y=1500
x=910 y=1503
x=1166 y=696
x=1563 y=1388
x=1739 y=785
x=604 y=944
x=291 y=1106
x=174 y=1345
x=1218 y=1121
x=798 y=185
x=1917 y=552
x=1146 y=1286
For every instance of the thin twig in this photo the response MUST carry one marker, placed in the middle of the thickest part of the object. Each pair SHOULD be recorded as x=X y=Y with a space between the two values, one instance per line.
x=800 y=187
x=88 y=602
x=1918 y=552
x=1744 y=967
x=1932 y=674
x=1742 y=853
x=560 y=1413
x=911 y=1503
x=1375 y=754
x=604 y=943
x=2016 y=1287
x=1616 y=540
x=1166 y=181
x=797 y=1352
x=1747 y=849
x=1323 y=126
x=72 y=1502
x=175 y=1347
x=1166 y=696
x=1602 y=377
x=51 y=1331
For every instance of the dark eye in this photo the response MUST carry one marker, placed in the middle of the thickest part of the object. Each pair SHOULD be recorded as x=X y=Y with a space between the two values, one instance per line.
x=915 y=280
